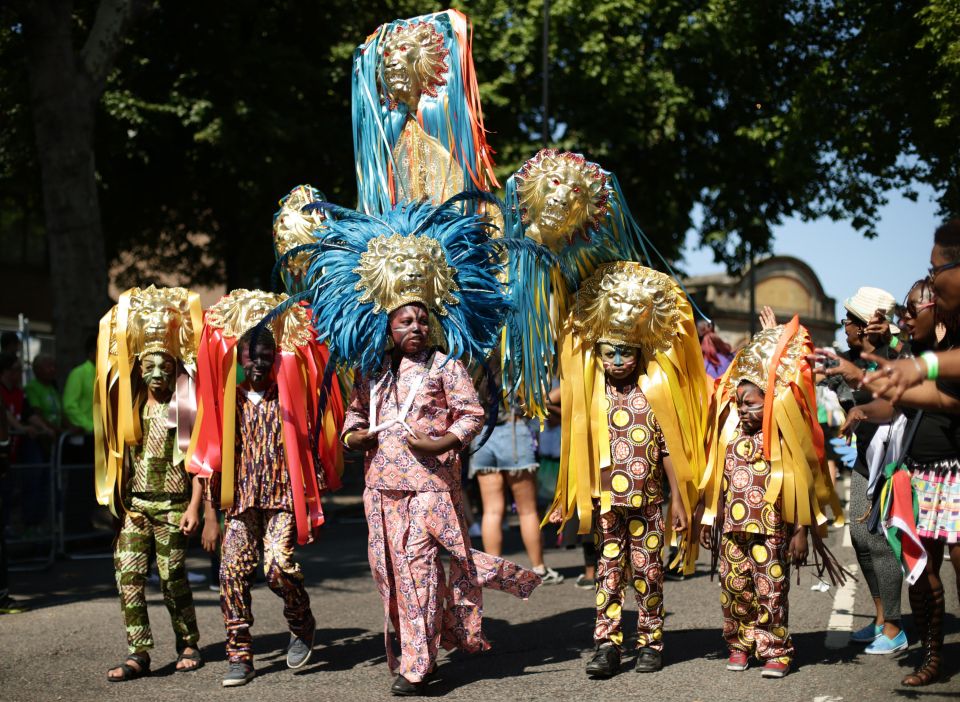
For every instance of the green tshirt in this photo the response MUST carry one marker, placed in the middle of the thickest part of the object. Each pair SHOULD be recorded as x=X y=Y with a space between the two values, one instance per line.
x=78 y=396
x=45 y=399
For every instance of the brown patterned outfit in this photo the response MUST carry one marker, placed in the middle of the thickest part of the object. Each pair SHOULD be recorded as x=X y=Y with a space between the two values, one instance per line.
x=629 y=526
x=262 y=513
x=754 y=568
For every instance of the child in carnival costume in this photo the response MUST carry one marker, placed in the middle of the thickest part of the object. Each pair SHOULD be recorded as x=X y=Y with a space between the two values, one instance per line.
x=418 y=129
x=266 y=459
x=576 y=210
x=405 y=300
x=764 y=489
x=144 y=411
x=633 y=399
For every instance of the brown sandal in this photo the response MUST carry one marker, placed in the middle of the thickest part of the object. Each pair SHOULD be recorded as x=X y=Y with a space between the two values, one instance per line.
x=929 y=618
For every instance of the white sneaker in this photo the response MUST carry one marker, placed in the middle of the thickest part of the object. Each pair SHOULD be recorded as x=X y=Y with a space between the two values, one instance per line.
x=550 y=577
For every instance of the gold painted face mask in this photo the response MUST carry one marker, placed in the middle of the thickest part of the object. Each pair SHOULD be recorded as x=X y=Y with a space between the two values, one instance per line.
x=397 y=270
x=562 y=196
x=414 y=62
x=626 y=304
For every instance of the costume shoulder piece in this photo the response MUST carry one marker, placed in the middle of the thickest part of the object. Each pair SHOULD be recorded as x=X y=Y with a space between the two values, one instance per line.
x=311 y=424
x=293 y=228
x=775 y=361
x=144 y=321
x=365 y=267
x=577 y=211
x=417 y=124
x=628 y=304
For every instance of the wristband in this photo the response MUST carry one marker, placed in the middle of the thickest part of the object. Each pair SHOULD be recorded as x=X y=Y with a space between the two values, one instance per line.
x=933 y=364
x=894 y=342
x=346 y=439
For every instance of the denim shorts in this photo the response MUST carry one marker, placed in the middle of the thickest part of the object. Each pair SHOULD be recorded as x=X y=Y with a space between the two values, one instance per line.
x=509 y=448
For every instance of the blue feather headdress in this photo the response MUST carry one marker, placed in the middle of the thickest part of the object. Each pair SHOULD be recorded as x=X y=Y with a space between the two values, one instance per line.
x=445 y=106
x=445 y=259
x=577 y=210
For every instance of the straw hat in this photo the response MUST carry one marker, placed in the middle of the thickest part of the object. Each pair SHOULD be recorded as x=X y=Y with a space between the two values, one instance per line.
x=866 y=301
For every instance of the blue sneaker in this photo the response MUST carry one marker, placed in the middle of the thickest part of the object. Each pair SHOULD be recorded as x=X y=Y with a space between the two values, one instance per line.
x=883 y=645
x=871 y=632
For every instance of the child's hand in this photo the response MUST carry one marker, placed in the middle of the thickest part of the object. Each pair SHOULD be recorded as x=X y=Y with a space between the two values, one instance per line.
x=190 y=521
x=678 y=514
x=706 y=536
x=210 y=536
x=555 y=516
x=428 y=446
x=362 y=440
x=797 y=552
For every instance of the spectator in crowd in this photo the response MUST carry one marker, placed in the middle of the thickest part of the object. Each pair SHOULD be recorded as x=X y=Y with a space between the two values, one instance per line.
x=8 y=605
x=10 y=343
x=44 y=397
x=717 y=353
x=42 y=391
x=78 y=393
x=869 y=331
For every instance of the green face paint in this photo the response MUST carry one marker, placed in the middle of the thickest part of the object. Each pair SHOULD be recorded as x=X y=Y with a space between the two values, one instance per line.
x=158 y=371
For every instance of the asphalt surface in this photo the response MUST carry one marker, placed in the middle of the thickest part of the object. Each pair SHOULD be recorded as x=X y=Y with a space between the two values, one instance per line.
x=62 y=648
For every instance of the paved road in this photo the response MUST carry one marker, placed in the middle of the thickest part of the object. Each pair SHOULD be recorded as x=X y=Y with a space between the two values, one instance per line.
x=61 y=650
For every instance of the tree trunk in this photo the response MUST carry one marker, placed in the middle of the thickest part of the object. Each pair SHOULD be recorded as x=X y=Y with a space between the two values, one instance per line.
x=65 y=88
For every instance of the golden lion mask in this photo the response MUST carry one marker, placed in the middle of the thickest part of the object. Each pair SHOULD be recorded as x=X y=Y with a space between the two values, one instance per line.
x=414 y=63
x=397 y=270
x=293 y=228
x=241 y=310
x=752 y=364
x=626 y=303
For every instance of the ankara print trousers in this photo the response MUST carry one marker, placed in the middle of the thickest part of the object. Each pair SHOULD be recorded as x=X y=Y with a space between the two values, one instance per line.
x=242 y=536
x=406 y=531
x=629 y=544
x=754 y=585
x=152 y=525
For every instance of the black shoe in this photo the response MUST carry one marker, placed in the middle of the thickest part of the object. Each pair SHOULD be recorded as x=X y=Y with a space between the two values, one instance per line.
x=605 y=662
x=649 y=660
x=404 y=688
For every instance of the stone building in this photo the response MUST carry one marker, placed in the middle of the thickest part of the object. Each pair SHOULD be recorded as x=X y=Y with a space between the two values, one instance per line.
x=785 y=283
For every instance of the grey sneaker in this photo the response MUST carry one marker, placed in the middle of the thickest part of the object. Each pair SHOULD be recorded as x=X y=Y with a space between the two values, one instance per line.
x=585 y=583
x=298 y=652
x=550 y=577
x=238 y=673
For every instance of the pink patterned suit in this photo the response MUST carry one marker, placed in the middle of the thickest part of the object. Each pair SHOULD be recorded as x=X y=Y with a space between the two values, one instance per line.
x=413 y=508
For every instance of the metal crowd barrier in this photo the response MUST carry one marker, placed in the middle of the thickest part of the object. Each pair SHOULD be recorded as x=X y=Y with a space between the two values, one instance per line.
x=30 y=514
x=77 y=507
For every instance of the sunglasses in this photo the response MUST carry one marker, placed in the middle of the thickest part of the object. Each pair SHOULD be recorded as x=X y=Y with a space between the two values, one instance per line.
x=911 y=311
x=934 y=271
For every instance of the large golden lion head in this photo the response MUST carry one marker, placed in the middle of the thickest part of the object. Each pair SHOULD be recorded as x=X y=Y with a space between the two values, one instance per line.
x=397 y=270
x=562 y=196
x=629 y=304
x=414 y=63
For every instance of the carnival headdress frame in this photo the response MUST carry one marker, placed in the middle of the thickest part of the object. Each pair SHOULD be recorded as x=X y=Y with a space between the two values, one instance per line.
x=292 y=228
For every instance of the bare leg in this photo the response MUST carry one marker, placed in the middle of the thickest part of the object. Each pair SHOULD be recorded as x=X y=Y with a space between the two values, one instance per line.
x=524 y=487
x=491 y=526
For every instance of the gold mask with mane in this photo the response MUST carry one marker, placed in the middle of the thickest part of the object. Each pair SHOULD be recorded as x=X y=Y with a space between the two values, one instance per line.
x=752 y=364
x=397 y=270
x=241 y=310
x=159 y=321
x=414 y=64
x=562 y=196
x=293 y=228
x=624 y=303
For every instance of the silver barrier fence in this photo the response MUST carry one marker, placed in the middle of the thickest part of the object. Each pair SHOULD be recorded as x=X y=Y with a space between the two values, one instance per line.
x=78 y=536
x=30 y=514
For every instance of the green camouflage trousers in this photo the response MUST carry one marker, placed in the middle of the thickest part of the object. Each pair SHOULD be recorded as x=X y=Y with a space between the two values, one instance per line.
x=153 y=524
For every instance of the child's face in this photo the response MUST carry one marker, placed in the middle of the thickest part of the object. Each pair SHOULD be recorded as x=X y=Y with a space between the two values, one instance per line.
x=257 y=362
x=410 y=328
x=158 y=371
x=750 y=407
x=619 y=362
